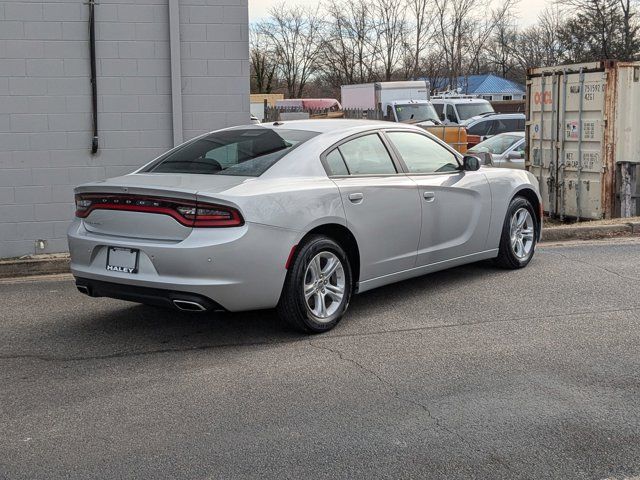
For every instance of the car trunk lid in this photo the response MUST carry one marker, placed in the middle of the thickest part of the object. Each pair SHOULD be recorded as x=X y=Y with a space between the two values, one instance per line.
x=147 y=206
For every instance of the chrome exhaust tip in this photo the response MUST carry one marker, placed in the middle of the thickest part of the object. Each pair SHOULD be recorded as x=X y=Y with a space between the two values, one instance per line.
x=187 y=306
x=83 y=289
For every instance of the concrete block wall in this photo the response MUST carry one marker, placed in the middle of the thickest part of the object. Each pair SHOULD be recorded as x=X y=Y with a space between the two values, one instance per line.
x=215 y=64
x=45 y=99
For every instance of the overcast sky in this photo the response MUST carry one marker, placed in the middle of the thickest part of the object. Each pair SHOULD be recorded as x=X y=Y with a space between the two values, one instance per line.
x=528 y=9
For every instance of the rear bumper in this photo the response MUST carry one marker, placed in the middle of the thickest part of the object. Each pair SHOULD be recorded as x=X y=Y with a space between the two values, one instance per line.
x=236 y=269
x=151 y=296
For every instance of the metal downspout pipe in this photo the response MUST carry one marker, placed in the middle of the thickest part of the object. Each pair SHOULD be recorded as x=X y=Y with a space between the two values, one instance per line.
x=94 y=86
x=176 y=71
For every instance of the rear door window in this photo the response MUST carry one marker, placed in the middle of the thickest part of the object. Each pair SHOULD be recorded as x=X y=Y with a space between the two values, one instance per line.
x=246 y=151
x=336 y=164
x=367 y=155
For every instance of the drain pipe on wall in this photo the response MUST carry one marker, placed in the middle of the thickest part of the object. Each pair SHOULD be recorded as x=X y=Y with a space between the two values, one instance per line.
x=176 y=71
x=94 y=86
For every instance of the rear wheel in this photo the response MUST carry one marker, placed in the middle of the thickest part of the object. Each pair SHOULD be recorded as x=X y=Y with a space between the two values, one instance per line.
x=519 y=235
x=318 y=286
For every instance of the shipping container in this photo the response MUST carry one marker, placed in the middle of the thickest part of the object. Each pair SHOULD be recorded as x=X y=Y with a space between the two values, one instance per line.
x=583 y=138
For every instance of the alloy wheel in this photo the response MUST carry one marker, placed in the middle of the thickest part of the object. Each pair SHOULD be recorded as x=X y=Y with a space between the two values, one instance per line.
x=324 y=285
x=522 y=233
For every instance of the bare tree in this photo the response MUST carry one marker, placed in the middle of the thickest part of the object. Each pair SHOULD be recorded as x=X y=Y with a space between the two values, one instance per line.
x=481 y=33
x=539 y=45
x=296 y=40
x=358 y=41
x=262 y=62
x=500 y=51
x=420 y=15
x=630 y=29
x=350 y=43
x=433 y=67
x=598 y=29
x=453 y=22
x=391 y=26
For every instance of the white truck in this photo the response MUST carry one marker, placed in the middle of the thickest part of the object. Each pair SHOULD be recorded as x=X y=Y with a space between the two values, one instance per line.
x=404 y=102
x=456 y=109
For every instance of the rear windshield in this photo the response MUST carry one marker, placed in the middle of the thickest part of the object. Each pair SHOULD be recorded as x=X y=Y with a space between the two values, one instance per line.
x=247 y=151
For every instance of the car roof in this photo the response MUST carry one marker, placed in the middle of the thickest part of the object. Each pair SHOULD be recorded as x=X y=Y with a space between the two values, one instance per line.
x=329 y=125
x=326 y=128
x=513 y=134
x=508 y=115
x=459 y=100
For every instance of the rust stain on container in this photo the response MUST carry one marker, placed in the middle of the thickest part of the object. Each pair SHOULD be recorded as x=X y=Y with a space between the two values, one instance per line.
x=609 y=146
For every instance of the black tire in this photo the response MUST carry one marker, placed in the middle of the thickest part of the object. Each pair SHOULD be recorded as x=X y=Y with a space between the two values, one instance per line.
x=507 y=257
x=293 y=307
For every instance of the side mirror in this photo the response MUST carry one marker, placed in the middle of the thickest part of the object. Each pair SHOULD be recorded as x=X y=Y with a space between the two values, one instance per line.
x=514 y=156
x=470 y=163
x=485 y=158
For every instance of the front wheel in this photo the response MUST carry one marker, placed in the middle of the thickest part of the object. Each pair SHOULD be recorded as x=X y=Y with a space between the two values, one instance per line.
x=318 y=286
x=519 y=235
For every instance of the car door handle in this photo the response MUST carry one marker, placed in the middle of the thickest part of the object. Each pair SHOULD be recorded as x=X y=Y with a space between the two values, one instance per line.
x=429 y=196
x=356 y=197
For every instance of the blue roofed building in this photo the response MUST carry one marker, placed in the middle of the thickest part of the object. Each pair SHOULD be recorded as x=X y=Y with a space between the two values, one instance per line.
x=490 y=87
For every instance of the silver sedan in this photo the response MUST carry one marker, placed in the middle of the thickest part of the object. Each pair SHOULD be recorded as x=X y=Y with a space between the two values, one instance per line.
x=298 y=216
x=506 y=150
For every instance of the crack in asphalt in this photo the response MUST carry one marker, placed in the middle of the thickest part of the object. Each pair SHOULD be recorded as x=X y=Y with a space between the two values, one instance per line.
x=599 y=267
x=394 y=393
x=133 y=354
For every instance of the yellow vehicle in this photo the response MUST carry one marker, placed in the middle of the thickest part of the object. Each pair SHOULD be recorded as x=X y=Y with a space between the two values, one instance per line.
x=453 y=135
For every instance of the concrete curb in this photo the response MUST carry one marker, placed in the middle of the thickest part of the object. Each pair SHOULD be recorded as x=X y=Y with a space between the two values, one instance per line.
x=589 y=232
x=59 y=263
x=45 y=265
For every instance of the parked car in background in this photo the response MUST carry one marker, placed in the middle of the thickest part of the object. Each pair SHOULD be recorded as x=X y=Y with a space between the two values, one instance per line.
x=254 y=120
x=506 y=149
x=299 y=216
x=454 y=109
x=485 y=127
x=497 y=123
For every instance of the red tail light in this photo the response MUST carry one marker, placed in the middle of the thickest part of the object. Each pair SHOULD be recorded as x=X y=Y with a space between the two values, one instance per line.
x=186 y=212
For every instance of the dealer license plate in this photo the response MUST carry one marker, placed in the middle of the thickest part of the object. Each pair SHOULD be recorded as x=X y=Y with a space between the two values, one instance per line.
x=124 y=260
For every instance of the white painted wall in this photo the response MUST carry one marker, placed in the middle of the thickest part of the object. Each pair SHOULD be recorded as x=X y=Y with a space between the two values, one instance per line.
x=45 y=102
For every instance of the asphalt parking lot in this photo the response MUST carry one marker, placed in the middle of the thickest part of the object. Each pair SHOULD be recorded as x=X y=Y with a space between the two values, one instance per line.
x=470 y=373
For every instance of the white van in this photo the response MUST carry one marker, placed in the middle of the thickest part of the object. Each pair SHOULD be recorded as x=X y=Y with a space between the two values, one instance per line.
x=460 y=109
